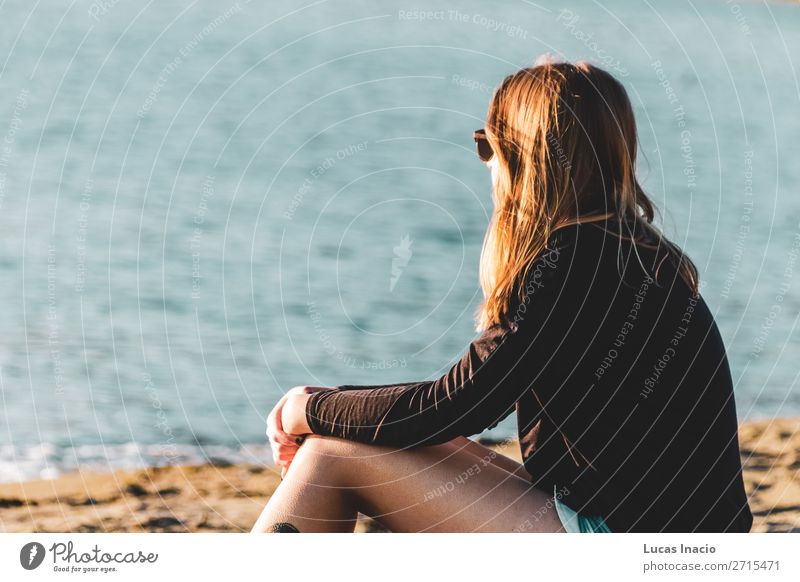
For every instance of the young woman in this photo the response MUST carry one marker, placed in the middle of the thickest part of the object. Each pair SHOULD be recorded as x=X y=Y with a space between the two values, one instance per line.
x=593 y=330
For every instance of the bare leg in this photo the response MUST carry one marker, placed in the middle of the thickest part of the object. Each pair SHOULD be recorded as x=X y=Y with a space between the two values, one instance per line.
x=492 y=456
x=444 y=488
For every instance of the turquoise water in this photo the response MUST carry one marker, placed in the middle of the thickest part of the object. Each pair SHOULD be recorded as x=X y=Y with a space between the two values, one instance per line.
x=204 y=204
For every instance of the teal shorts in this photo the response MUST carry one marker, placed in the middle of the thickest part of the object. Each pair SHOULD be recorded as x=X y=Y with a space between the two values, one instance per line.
x=575 y=522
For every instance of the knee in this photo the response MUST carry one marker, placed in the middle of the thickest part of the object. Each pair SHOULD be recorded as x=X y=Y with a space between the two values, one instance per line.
x=341 y=450
x=333 y=448
x=335 y=452
x=324 y=451
x=336 y=459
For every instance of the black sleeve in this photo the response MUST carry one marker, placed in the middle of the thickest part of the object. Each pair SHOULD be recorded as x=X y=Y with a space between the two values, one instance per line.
x=477 y=393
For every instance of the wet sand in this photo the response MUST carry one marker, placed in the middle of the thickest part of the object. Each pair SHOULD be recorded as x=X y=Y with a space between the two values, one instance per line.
x=229 y=498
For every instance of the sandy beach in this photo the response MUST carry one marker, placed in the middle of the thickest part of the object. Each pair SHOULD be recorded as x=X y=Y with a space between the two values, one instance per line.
x=228 y=498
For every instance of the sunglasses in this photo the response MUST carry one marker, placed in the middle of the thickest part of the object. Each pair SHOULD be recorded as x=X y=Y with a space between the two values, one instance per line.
x=485 y=152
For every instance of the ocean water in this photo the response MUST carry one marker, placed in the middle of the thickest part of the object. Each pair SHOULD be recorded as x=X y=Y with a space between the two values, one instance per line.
x=204 y=204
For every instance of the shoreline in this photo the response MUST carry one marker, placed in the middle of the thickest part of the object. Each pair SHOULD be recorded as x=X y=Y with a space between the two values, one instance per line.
x=224 y=497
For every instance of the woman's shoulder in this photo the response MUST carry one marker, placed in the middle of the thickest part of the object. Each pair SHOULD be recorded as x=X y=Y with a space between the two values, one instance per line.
x=609 y=250
x=585 y=240
x=610 y=234
x=587 y=229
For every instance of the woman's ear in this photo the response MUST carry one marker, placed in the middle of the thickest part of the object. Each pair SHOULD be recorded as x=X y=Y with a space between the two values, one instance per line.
x=494 y=167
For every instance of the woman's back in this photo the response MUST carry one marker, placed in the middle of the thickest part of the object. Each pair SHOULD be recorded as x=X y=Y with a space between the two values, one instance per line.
x=631 y=407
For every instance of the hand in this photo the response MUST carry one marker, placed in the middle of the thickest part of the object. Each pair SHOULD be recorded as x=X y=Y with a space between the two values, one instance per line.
x=291 y=408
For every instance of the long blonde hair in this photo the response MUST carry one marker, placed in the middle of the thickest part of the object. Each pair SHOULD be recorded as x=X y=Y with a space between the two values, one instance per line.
x=564 y=136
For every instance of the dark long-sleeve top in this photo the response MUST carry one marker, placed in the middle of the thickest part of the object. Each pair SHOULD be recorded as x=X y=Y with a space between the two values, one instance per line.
x=620 y=383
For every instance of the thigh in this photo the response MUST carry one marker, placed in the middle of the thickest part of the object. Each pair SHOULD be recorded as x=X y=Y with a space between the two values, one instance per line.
x=492 y=455
x=443 y=488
